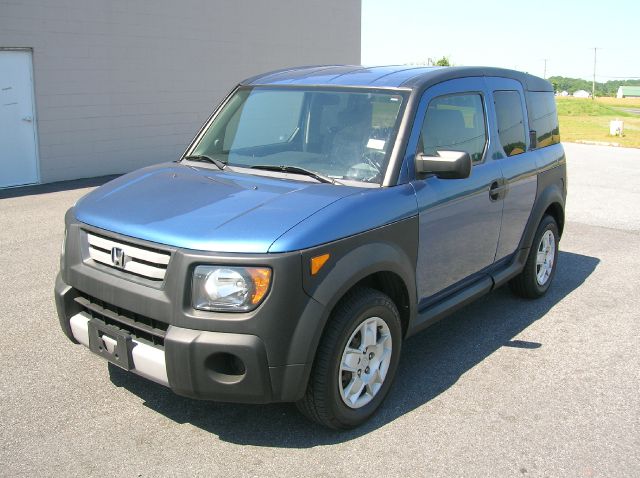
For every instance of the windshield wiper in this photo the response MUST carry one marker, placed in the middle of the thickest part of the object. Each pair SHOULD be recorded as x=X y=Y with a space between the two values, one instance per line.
x=296 y=170
x=206 y=159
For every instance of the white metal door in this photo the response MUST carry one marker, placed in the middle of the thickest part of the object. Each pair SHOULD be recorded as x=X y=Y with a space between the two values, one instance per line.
x=18 y=151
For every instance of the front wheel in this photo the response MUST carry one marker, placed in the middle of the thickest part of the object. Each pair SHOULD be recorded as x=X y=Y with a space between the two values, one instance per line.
x=356 y=360
x=540 y=268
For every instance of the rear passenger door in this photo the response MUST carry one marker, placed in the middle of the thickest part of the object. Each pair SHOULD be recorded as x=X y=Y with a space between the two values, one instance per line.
x=512 y=151
x=459 y=219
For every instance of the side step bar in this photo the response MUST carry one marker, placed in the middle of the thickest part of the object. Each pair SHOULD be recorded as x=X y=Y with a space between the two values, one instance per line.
x=435 y=312
x=440 y=310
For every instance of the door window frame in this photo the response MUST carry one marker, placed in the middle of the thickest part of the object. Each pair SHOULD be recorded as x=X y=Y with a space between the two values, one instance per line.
x=460 y=86
x=484 y=116
x=506 y=84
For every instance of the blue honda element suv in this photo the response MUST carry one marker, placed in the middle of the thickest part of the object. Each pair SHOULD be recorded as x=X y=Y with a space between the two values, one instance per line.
x=321 y=216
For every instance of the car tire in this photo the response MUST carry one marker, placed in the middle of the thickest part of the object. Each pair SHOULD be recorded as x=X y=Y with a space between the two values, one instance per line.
x=359 y=350
x=542 y=261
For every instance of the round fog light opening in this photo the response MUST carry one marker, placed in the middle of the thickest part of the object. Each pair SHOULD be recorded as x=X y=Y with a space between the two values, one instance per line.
x=225 y=367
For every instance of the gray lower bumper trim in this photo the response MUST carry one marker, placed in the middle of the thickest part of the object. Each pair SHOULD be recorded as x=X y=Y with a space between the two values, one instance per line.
x=148 y=361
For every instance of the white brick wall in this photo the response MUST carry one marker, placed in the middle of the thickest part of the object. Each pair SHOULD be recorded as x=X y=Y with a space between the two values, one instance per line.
x=122 y=84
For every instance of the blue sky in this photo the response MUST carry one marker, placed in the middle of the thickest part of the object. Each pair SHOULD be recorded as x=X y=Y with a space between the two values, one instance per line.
x=511 y=34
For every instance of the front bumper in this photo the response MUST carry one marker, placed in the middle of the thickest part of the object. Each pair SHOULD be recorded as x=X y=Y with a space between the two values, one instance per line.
x=207 y=365
x=146 y=360
x=257 y=357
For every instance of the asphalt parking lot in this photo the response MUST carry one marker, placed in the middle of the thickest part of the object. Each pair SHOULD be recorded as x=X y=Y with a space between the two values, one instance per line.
x=505 y=387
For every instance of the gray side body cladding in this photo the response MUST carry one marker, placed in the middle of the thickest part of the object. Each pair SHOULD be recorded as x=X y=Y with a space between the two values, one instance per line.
x=550 y=198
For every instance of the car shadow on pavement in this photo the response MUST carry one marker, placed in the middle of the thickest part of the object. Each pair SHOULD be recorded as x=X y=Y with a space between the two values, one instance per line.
x=431 y=362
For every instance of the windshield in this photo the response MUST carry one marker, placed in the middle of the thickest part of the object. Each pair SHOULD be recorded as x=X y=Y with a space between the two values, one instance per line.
x=338 y=133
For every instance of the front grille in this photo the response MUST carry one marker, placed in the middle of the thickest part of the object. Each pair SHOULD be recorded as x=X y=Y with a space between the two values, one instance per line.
x=136 y=325
x=134 y=259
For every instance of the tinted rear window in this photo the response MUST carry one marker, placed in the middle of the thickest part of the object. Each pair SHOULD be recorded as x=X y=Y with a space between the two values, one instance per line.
x=543 y=118
x=510 y=121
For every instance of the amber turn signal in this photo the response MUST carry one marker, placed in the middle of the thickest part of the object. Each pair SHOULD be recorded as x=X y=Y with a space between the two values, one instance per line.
x=317 y=263
x=261 y=277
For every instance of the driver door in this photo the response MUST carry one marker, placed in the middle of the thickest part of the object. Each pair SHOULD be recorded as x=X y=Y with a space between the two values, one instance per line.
x=459 y=223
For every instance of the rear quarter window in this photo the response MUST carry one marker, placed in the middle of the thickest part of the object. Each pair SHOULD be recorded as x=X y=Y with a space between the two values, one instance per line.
x=510 y=121
x=543 y=117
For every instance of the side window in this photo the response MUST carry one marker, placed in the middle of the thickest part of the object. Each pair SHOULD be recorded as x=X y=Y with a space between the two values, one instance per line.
x=510 y=122
x=543 y=118
x=455 y=123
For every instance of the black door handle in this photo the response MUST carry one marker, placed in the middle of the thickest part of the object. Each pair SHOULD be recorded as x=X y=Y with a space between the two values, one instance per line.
x=497 y=190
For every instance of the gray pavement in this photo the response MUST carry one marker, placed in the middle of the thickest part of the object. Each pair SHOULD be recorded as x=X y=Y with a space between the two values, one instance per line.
x=633 y=111
x=505 y=387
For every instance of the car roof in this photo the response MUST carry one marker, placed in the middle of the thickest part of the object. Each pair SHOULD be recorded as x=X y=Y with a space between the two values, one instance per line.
x=391 y=76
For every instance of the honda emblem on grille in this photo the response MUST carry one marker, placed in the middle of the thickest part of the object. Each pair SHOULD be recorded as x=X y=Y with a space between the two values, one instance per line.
x=117 y=257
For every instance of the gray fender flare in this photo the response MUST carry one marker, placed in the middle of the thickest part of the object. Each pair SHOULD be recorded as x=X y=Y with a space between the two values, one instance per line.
x=358 y=263
x=551 y=194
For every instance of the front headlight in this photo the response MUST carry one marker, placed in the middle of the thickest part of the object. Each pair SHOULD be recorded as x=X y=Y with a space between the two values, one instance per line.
x=229 y=289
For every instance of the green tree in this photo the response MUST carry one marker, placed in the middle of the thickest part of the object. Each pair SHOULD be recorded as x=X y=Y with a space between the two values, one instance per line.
x=444 y=61
x=609 y=88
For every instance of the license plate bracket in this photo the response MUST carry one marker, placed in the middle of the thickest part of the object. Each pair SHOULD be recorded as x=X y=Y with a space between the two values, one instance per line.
x=121 y=353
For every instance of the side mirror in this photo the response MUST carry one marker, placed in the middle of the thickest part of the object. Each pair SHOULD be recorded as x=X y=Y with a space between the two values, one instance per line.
x=446 y=165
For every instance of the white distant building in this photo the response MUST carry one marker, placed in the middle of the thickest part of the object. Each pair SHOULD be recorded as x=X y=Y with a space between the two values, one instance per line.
x=564 y=93
x=628 y=92
x=582 y=94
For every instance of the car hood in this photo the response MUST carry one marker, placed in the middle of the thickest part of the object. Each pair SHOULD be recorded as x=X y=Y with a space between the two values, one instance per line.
x=203 y=209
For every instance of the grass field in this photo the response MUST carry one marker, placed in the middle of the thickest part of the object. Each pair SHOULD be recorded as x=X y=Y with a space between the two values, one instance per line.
x=588 y=120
